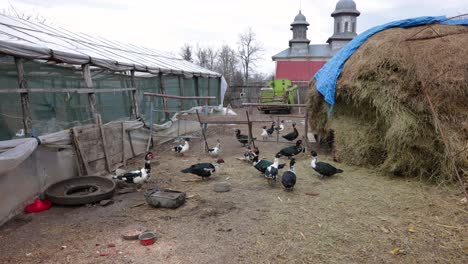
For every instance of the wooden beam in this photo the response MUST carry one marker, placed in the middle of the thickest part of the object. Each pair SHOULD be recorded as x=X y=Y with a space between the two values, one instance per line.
x=79 y=149
x=25 y=107
x=136 y=110
x=259 y=104
x=164 y=99
x=179 y=97
x=91 y=95
x=203 y=131
x=67 y=90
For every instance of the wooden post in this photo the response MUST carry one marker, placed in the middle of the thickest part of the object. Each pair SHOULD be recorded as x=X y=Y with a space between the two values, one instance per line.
x=164 y=100
x=219 y=91
x=124 y=161
x=91 y=95
x=24 y=97
x=203 y=130
x=306 y=129
x=209 y=92
x=81 y=153
x=136 y=110
x=197 y=89
x=181 y=91
x=104 y=144
x=277 y=131
x=131 y=143
x=251 y=139
x=150 y=137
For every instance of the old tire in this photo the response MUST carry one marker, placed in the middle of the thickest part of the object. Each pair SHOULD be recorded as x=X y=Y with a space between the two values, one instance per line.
x=79 y=191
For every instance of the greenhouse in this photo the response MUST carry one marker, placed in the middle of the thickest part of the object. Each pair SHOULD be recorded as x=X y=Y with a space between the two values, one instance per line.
x=54 y=79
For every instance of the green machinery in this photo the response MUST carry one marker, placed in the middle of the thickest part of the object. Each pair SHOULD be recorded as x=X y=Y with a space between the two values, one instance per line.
x=279 y=92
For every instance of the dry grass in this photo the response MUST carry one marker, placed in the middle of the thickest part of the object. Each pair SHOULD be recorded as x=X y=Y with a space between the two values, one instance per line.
x=384 y=92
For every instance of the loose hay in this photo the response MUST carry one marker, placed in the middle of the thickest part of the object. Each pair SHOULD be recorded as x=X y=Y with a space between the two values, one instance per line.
x=382 y=116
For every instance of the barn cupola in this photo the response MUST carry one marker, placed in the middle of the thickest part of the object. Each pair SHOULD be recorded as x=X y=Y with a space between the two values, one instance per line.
x=344 y=29
x=299 y=29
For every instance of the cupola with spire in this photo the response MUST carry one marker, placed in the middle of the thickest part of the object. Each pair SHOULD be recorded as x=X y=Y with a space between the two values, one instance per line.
x=299 y=43
x=344 y=30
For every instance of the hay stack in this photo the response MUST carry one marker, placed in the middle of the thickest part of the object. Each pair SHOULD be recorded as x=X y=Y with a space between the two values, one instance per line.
x=383 y=118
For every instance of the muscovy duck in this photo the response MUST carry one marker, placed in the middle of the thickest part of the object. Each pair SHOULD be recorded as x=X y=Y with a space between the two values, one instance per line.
x=264 y=133
x=292 y=150
x=293 y=135
x=204 y=170
x=214 y=152
x=137 y=176
x=324 y=169
x=262 y=165
x=272 y=171
x=249 y=154
x=271 y=129
x=181 y=149
x=289 y=177
x=243 y=139
x=280 y=127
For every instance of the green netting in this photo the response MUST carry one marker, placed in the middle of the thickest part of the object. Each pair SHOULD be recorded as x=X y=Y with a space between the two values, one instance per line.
x=10 y=104
x=54 y=111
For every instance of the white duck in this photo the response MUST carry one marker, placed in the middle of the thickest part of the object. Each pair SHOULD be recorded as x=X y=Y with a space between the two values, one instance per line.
x=272 y=171
x=214 y=152
x=280 y=127
x=264 y=133
x=181 y=149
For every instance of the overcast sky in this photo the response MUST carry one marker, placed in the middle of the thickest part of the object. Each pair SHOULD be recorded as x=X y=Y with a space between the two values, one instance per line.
x=168 y=24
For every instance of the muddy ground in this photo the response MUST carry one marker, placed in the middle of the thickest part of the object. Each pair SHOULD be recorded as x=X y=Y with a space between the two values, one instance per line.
x=359 y=216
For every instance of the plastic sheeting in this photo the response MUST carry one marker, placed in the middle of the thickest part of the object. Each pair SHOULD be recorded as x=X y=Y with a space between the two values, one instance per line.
x=31 y=40
x=327 y=76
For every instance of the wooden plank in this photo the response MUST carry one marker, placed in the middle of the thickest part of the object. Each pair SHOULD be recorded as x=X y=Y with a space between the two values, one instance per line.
x=26 y=110
x=103 y=137
x=179 y=97
x=66 y=90
x=91 y=96
x=124 y=161
x=82 y=154
x=259 y=104
x=131 y=143
x=136 y=110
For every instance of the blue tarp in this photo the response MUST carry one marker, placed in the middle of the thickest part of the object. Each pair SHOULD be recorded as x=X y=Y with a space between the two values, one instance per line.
x=327 y=76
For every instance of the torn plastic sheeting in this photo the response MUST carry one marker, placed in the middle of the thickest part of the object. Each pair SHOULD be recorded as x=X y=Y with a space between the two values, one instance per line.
x=11 y=158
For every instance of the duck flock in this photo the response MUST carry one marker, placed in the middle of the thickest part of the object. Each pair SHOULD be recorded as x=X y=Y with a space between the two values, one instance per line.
x=270 y=170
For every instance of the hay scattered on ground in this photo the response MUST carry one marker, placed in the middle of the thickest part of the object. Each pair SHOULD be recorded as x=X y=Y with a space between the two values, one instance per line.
x=383 y=115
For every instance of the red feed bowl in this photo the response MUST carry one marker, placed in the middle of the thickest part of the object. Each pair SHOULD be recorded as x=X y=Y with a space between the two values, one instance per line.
x=147 y=238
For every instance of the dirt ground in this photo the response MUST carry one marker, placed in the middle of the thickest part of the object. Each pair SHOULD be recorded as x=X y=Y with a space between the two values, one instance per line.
x=359 y=216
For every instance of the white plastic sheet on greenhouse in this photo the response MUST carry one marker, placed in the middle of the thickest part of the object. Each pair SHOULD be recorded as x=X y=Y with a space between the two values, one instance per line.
x=39 y=41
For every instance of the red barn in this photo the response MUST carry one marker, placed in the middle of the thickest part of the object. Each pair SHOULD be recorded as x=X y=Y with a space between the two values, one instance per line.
x=301 y=61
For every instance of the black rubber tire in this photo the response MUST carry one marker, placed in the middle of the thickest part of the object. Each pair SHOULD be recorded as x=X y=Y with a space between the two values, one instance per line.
x=61 y=192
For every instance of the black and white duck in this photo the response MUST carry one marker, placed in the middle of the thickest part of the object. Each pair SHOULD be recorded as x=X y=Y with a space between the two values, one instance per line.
x=250 y=153
x=204 y=170
x=289 y=177
x=292 y=150
x=214 y=152
x=323 y=168
x=292 y=135
x=271 y=129
x=137 y=176
x=262 y=165
x=271 y=171
x=181 y=149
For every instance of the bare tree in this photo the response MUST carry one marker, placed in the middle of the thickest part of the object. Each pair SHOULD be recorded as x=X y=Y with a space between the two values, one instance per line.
x=15 y=12
x=211 y=55
x=186 y=52
x=249 y=51
x=226 y=63
x=202 y=57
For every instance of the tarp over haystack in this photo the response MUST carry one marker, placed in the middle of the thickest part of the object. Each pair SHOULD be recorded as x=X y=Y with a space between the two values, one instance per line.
x=401 y=103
